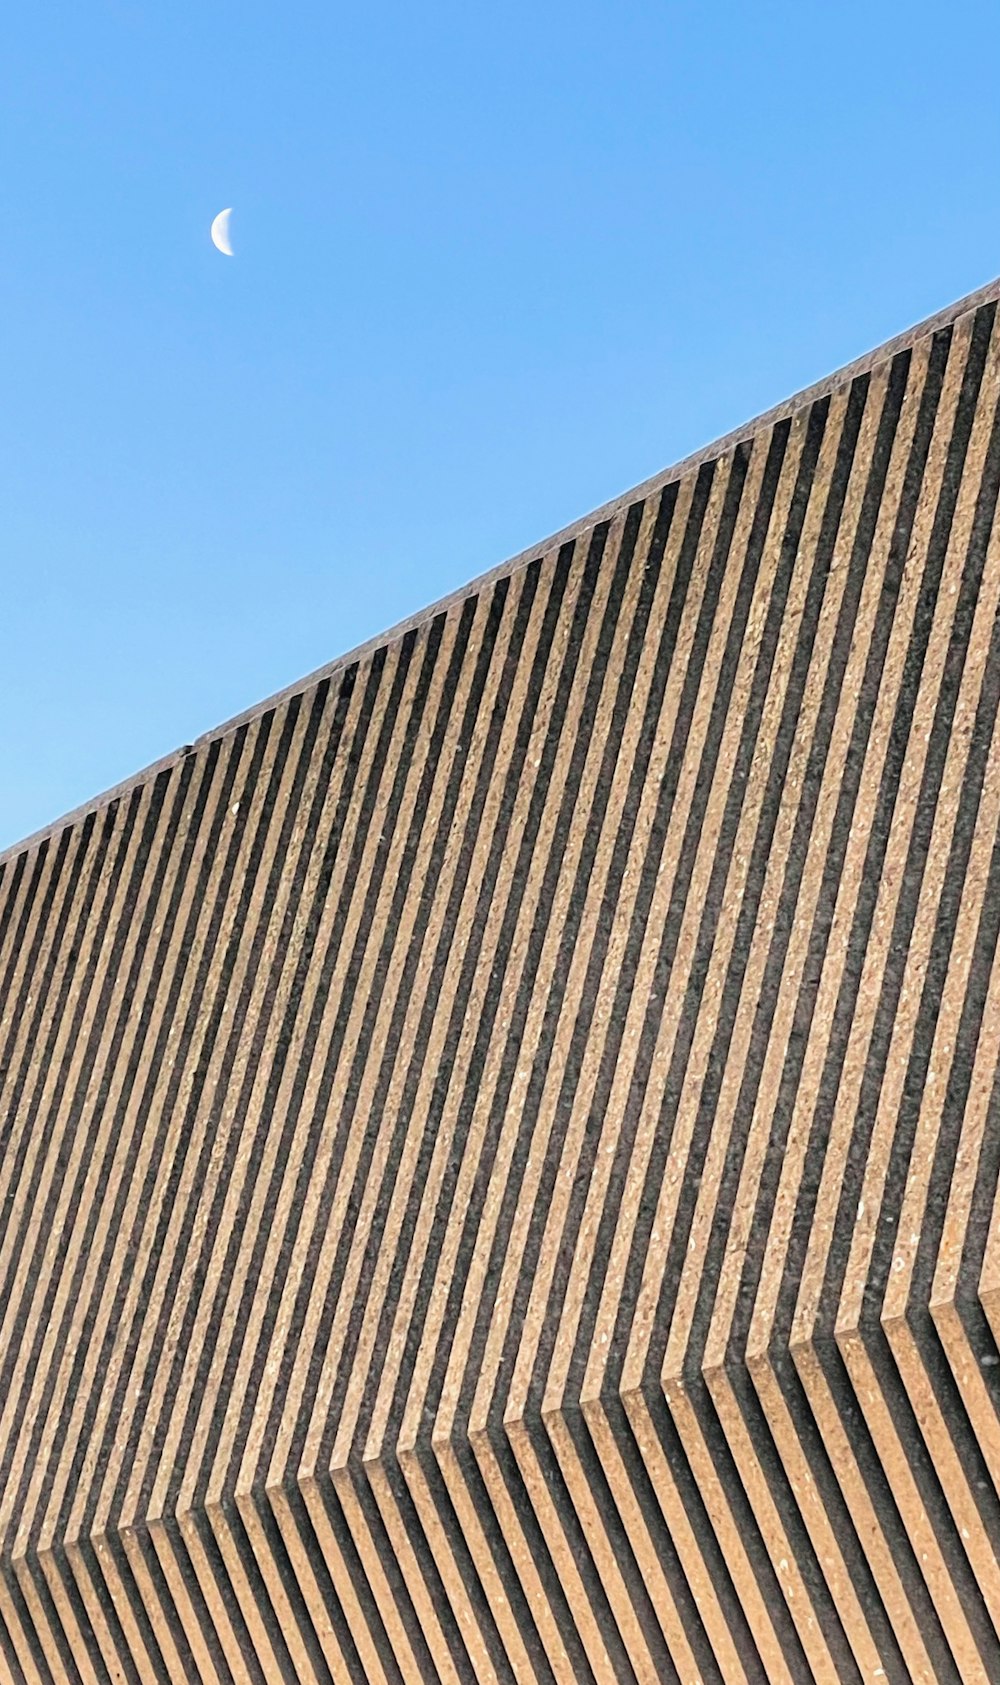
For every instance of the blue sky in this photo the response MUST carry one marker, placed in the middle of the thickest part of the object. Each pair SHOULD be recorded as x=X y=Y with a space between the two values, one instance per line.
x=493 y=266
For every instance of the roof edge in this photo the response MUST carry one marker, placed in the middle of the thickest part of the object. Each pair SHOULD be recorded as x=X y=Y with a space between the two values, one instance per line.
x=717 y=447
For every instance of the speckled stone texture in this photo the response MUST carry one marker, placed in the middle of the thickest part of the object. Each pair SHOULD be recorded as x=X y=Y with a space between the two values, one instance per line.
x=499 y=1147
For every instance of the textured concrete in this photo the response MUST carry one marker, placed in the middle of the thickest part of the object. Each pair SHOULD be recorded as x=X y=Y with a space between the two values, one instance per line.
x=499 y=1147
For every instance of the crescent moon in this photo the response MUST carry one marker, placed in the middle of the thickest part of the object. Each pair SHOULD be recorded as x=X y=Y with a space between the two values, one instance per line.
x=220 y=232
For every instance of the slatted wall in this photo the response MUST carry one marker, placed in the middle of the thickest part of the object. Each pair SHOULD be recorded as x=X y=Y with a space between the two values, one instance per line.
x=499 y=1150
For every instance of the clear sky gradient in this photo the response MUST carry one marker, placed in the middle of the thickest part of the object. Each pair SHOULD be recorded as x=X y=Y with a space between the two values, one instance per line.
x=494 y=265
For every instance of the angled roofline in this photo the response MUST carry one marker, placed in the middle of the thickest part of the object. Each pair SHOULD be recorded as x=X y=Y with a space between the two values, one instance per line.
x=717 y=447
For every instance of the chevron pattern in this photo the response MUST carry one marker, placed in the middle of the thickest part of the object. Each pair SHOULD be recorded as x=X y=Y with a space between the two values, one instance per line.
x=499 y=1149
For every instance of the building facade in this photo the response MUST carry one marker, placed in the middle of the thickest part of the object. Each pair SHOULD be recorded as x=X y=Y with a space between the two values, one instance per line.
x=499 y=1146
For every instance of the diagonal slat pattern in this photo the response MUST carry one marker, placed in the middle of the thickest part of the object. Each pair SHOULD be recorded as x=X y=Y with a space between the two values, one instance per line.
x=499 y=1147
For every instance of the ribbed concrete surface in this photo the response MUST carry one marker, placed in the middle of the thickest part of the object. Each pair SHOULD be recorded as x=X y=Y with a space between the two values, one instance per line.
x=500 y=1149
